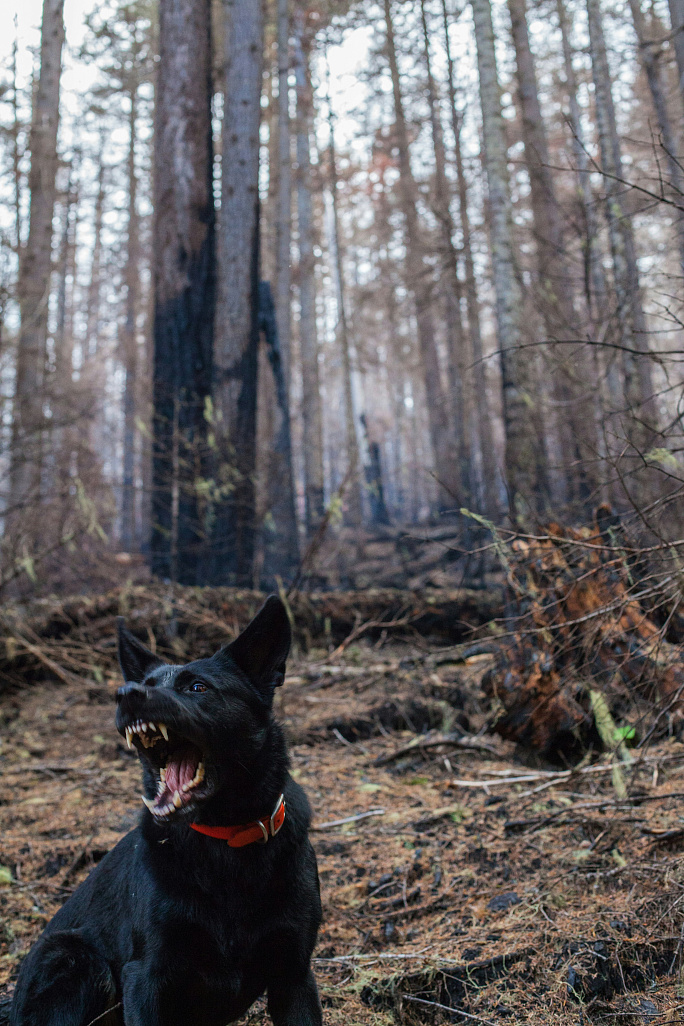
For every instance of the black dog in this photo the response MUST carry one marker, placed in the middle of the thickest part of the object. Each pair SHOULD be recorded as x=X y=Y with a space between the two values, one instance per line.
x=213 y=898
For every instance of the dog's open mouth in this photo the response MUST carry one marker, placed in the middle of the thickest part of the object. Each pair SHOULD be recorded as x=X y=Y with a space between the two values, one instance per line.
x=178 y=761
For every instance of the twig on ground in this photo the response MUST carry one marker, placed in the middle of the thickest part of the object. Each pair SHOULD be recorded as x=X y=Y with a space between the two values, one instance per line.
x=347 y=819
x=369 y=625
x=447 y=1008
x=430 y=741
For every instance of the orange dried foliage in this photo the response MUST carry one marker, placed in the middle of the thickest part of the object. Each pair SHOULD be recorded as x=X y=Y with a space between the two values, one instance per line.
x=578 y=620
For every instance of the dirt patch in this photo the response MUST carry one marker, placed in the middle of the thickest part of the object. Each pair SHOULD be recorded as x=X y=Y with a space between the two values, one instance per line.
x=417 y=883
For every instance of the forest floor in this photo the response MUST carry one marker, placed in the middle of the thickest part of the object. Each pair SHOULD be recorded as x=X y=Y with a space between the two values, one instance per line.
x=475 y=880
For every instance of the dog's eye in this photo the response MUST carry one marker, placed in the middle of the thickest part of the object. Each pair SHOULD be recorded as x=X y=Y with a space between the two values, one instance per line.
x=198 y=687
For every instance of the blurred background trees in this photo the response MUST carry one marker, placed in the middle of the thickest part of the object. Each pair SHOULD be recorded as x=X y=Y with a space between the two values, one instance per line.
x=274 y=272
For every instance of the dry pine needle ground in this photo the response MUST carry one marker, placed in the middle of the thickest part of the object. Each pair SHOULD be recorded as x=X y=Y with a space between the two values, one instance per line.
x=541 y=900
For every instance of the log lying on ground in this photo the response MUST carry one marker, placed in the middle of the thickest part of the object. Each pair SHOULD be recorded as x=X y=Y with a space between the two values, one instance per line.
x=579 y=621
x=76 y=637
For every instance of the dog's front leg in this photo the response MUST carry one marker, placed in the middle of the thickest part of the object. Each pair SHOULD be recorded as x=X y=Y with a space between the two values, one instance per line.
x=140 y=997
x=295 y=1003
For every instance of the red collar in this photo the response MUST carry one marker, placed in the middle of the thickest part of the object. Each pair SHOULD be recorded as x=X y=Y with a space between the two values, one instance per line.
x=258 y=831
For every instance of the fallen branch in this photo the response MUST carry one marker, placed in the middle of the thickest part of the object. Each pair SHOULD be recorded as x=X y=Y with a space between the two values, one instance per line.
x=427 y=741
x=347 y=819
x=369 y=625
x=447 y=1008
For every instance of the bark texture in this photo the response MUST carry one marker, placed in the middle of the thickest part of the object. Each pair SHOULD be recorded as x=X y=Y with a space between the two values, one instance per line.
x=631 y=322
x=237 y=314
x=354 y=496
x=417 y=279
x=130 y=333
x=482 y=426
x=459 y=356
x=184 y=284
x=280 y=535
x=521 y=458
x=650 y=53
x=34 y=276
x=574 y=414
x=312 y=420
x=677 y=19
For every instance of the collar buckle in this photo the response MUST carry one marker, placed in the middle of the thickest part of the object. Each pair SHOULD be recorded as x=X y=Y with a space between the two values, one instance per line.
x=277 y=818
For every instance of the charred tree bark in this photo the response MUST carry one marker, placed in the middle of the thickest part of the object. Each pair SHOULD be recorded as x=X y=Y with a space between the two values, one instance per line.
x=237 y=314
x=521 y=458
x=34 y=277
x=446 y=463
x=376 y=490
x=281 y=535
x=482 y=424
x=312 y=418
x=184 y=284
x=130 y=334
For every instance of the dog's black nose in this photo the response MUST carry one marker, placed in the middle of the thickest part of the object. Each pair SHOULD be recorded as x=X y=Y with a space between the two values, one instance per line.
x=135 y=691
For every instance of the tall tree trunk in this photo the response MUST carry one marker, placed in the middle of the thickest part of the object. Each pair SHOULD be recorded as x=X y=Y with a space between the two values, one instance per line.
x=62 y=392
x=677 y=19
x=281 y=536
x=92 y=384
x=446 y=463
x=639 y=400
x=312 y=418
x=354 y=486
x=184 y=284
x=16 y=155
x=595 y=290
x=458 y=350
x=650 y=53
x=130 y=333
x=34 y=276
x=237 y=321
x=522 y=458
x=482 y=422
x=575 y=415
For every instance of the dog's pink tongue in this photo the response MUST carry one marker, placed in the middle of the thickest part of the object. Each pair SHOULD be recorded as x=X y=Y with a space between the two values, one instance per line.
x=181 y=771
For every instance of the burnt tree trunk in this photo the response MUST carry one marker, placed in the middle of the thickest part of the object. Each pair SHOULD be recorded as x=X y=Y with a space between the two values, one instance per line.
x=184 y=288
x=237 y=312
x=312 y=416
x=280 y=535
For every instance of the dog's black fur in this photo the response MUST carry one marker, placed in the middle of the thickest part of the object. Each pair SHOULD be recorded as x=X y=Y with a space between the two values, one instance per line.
x=174 y=927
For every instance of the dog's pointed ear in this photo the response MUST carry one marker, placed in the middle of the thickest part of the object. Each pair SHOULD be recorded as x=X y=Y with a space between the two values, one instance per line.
x=262 y=648
x=135 y=660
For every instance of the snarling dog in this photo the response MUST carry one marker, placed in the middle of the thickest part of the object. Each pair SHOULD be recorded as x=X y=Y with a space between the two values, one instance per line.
x=213 y=899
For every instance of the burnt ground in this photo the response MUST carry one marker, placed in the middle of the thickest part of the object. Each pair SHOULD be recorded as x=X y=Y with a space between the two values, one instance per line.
x=538 y=900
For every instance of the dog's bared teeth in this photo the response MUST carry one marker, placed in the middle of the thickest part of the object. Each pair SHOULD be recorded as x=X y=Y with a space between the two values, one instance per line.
x=162 y=773
x=177 y=799
x=148 y=802
x=164 y=731
x=151 y=726
x=129 y=737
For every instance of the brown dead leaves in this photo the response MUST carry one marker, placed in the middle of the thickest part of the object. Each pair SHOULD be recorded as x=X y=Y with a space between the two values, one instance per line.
x=581 y=610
